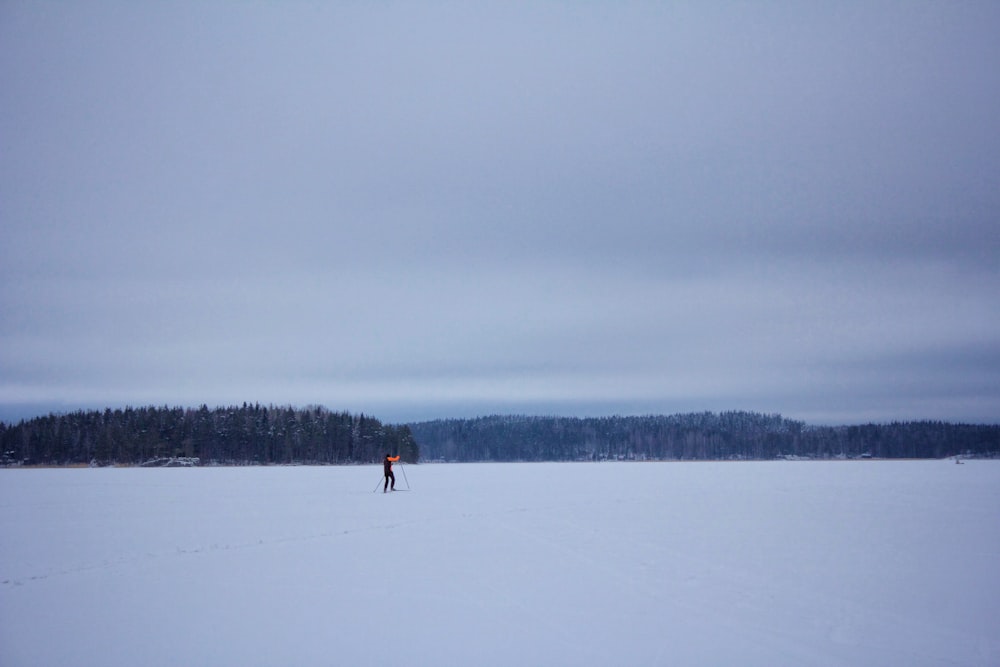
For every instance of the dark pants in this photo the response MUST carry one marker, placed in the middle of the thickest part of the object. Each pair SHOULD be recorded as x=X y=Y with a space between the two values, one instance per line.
x=389 y=476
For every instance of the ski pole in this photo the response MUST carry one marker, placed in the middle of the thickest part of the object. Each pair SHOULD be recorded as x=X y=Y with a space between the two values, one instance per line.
x=404 y=473
x=379 y=482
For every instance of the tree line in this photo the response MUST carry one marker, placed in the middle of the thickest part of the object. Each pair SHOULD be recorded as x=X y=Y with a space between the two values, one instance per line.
x=253 y=434
x=695 y=436
x=250 y=434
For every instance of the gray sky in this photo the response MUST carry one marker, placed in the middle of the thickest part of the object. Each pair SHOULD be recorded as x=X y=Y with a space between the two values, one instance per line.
x=423 y=210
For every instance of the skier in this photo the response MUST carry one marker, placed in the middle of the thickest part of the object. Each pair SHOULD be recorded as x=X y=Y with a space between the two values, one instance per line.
x=387 y=467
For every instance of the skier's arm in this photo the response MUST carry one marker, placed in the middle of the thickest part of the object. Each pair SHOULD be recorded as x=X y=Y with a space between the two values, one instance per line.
x=393 y=458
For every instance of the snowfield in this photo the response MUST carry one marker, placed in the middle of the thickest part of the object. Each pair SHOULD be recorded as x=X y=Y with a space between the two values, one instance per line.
x=772 y=564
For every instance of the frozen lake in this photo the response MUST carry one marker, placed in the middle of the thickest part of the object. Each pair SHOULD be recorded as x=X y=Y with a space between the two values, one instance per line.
x=770 y=564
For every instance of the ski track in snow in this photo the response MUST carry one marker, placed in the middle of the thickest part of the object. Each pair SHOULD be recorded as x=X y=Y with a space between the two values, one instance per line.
x=188 y=551
x=180 y=551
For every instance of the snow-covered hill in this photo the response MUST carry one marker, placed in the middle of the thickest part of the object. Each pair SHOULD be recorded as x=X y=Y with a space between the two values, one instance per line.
x=776 y=563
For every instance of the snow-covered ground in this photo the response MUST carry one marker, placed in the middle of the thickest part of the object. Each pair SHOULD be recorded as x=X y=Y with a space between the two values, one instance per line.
x=781 y=563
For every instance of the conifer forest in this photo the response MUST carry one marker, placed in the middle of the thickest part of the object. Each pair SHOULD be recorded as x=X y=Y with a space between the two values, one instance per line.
x=258 y=435
x=695 y=436
x=247 y=435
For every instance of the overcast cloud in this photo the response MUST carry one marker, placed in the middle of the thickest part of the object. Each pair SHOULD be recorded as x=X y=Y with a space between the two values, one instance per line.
x=423 y=210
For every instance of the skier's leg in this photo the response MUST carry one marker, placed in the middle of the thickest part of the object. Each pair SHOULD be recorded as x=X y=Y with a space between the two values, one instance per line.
x=392 y=476
x=386 y=484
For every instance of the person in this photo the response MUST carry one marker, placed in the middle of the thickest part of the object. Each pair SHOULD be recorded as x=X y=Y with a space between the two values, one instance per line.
x=387 y=467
